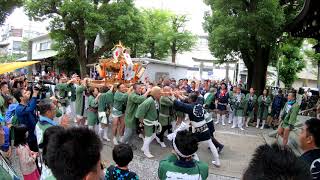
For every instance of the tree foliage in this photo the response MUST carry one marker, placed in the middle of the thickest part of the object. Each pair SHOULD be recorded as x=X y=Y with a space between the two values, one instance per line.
x=77 y=24
x=156 y=25
x=6 y=7
x=312 y=54
x=179 y=38
x=250 y=28
x=290 y=61
x=166 y=34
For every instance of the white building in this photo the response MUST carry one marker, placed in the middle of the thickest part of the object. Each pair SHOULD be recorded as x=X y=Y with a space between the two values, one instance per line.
x=41 y=51
x=12 y=38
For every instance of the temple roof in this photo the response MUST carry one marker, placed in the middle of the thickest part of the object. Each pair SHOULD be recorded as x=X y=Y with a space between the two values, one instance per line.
x=307 y=23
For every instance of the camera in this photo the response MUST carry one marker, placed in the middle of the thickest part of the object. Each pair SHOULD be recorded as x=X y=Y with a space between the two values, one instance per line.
x=42 y=86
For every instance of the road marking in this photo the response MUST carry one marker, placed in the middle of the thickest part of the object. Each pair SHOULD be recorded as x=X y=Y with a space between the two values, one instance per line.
x=234 y=133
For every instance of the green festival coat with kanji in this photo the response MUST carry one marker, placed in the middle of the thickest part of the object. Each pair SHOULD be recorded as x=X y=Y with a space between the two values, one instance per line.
x=148 y=110
x=105 y=100
x=169 y=169
x=80 y=100
x=289 y=117
x=263 y=107
x=166 y=107
x=134 y=100
x=119 y=103
x=209 y=99
x=239 y=102
x=231 y=100
x=2 y=106
x=63 y=92
x=250 y=112
x=92 y=111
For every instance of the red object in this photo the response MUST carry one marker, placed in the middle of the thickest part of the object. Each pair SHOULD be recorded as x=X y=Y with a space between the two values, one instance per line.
x=33 y=176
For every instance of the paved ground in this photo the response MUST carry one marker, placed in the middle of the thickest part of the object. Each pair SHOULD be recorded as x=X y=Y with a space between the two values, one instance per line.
x=239 y=146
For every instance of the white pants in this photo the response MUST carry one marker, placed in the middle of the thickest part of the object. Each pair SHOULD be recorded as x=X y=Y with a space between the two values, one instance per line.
x=213 y=149
x=238 y=121
x=73 y=110
x=231 y=116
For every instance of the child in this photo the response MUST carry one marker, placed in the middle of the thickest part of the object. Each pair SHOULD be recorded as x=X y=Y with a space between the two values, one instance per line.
x=26 y=156
x=122 y=155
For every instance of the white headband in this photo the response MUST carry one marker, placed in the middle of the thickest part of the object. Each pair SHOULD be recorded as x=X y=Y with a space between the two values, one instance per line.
x=177 y=150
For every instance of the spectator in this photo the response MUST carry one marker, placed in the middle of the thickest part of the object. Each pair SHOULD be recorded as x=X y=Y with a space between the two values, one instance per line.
x=277 y=105
x=310 y=144
x=5 y=142
x=4 y=91
x=75 y=154
x=4 y=173
x=27 y=158
x=181 y=164
x=275 y=163
x=26 y=114
x=289 y=117
x=122 y=155
x=47 y=113
x=46 y=173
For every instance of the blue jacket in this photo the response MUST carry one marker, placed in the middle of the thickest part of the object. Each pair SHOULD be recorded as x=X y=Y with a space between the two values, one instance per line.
x=195 y=111
x=27 y=115
x=5 y=146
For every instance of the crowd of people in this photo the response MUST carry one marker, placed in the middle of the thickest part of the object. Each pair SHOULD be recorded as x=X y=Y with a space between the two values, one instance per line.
x=54 y=127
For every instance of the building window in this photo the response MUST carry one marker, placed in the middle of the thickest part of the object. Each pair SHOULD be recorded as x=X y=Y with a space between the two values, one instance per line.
x=16 y=46
x=16 y=32
x=44 y=46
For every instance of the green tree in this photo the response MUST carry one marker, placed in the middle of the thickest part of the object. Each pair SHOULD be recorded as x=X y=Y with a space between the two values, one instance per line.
x=76 y=25
x=157 y=26
x=290 y=61
x=180 y=39
x=315 y=58
x=6 y=7
x=251 y=28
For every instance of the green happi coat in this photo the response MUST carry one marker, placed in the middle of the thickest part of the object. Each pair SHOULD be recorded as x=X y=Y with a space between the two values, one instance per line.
x=231 y=100
x=2 y=106
x=239 y=102
x=80 y=100
x=63 y=90
x=289 y=115
x=165 y=112
x=119 y=103
x=73 y=92
x=168 y=169
x=134 y=100
x=148 y=110
x=92 y=111
x=263 y=107
x=209 y=100
x=105 y=100
x=247 y=111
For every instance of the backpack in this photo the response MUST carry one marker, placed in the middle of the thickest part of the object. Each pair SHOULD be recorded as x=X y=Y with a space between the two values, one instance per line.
x=11 y=113
x=130 y=175
x=12 y=117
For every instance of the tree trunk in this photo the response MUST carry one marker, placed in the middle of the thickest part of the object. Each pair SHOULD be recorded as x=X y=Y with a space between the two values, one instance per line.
x=250 y=75
x=173 y=52
x=260 y=67
x=173 y=57
x=153 y=50
x=318 y=77
x=83 y=68
x=82 y=58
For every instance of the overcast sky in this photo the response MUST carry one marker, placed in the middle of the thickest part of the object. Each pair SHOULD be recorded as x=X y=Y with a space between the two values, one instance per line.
x=194 y=9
